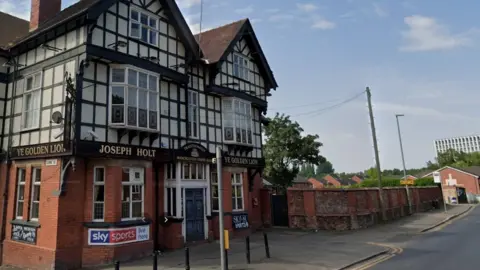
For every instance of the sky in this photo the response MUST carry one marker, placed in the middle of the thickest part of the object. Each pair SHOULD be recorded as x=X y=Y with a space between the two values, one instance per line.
x=419 y=58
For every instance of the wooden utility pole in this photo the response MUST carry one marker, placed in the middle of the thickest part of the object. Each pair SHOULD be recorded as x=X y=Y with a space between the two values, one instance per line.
x=377 y=158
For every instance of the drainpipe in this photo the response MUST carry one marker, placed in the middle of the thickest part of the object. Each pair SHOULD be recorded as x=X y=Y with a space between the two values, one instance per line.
x=9 y=162
x=156 y=221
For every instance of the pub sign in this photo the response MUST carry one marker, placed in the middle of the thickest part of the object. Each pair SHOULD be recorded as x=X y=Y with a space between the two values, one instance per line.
x=24 y=233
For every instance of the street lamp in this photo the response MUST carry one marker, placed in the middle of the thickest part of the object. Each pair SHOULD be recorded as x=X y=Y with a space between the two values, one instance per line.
x=403 y=160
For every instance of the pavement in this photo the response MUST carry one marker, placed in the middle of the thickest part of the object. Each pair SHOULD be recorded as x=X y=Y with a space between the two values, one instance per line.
x=454 y=246
x=305 y=250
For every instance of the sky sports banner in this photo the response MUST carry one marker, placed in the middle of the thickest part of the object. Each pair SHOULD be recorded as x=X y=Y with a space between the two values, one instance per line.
x=108 y=237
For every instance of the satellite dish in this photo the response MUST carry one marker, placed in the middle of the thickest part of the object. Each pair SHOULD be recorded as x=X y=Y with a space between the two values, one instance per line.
x=57 y=117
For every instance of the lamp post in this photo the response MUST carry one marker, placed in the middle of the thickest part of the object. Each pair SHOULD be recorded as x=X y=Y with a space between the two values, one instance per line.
x=403 y=162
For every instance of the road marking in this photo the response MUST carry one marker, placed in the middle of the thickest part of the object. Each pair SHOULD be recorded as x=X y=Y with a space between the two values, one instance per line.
x=392 y=251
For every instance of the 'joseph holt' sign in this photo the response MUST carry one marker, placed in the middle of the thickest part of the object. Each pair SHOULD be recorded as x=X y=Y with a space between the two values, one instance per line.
x=106 y=237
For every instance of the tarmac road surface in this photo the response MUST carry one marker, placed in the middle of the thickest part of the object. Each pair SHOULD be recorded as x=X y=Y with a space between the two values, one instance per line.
x=454 y=246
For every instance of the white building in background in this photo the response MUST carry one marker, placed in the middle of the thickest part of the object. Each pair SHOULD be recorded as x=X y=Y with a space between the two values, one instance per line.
x=467 y=144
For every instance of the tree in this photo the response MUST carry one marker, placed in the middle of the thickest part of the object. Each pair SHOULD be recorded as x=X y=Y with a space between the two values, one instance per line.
x=286 y=149
x=324 y=169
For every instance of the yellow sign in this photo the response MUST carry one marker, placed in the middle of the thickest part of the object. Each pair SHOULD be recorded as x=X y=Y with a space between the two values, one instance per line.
x=38 y=150
x=227 y=241
x=408 y=182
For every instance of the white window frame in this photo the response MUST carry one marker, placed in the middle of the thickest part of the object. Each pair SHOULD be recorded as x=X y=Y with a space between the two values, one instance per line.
x=20 y=182
x=214 y=181
x=237 y=120
x=193 y=122
x=131 y=183
x=155 y=94
x=241 y=67
x=235 y=207
x=35 y=92
x=194 y=167
x=34 y=183
x=98 y=184
x=150 y=29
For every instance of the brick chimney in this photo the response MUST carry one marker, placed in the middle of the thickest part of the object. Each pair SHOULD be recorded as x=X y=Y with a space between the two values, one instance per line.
x=43 y=10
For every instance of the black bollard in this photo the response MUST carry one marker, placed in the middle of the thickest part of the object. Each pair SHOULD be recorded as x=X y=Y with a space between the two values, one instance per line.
x=117 y=265
x=187 y=259
x=247 y=248
x=267 y=248
x=155 y=265
x=226 y=259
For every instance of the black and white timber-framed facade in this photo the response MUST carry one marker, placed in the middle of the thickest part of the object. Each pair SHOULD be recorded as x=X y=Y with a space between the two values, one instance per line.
x=118 y=105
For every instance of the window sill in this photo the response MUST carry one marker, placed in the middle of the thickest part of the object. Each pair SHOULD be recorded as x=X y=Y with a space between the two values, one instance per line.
x=34 y=224
x=173 y=219
x=216 y=214
x=120 y=224
x=124 y=126
x=23 y=130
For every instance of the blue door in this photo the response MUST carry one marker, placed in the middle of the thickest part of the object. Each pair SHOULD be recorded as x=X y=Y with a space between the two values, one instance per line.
x=194 y=214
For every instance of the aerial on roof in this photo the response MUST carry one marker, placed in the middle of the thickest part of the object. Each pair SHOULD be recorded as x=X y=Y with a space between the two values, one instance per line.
x=11 y=28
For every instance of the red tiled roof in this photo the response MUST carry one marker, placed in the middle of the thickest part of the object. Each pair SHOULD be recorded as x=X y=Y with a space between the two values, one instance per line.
x=215 y=42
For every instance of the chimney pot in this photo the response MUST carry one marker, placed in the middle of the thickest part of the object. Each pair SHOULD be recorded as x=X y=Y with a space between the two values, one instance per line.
x=43 y=10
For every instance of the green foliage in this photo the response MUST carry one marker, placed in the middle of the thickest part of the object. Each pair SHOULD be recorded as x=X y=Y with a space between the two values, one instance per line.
x=455 y=158
x=392 y=182
x=423 y=182
x=286 y=150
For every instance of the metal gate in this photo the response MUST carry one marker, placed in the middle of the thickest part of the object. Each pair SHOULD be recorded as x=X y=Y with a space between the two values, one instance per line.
x=279 y=210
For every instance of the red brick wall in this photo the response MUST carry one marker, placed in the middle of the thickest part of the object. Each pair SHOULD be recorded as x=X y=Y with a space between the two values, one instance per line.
x=42 y=10
x=337 y=209
x=469 y=182
x=42 y=255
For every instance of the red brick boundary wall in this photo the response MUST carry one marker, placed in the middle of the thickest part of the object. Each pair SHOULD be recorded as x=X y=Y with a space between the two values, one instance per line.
x=349 y=209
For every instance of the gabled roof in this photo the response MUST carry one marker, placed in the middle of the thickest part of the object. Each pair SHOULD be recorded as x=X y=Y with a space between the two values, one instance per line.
x=472 y=170
x=93 y=8
x=217 y=43
x=11 y=28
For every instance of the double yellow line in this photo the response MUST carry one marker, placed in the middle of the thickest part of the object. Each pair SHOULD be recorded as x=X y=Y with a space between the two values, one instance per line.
x=392 y=252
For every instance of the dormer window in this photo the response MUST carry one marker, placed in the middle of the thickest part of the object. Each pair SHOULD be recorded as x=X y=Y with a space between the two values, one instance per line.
x=237 y=121
x=144 y=27
x=240 y=66
x=134 y=98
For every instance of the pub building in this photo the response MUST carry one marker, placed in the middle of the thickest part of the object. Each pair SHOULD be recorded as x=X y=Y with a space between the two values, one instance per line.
x=111 y=115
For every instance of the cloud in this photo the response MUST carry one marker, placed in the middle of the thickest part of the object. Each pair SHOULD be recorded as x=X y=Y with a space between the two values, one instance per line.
x=245 y=10
x=281 y=17
x=255 y=21
x=188 y=3
x=419 y=111
x=20 y=8
x=272 y=10
x=426 y=34
x=307 y=7
x=323 y=24
x=381 y=12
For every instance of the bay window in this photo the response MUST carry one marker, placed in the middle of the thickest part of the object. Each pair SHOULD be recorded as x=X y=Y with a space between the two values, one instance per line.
x=237 y=121
x=31 y=101
x=240 y=66
x=98 y=194
x=132 y=193
x=237 y=192
x=144 y=27
x=134 y=98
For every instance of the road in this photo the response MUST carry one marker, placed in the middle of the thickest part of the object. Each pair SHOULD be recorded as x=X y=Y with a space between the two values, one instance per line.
x=453 y=246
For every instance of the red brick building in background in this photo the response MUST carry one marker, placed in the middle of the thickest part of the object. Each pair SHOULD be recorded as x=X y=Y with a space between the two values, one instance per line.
x=468 y=178
x=110 y=135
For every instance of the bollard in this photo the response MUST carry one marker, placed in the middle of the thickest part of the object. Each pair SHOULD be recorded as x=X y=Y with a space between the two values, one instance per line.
x=155 y=265
x=267 y=249
x=117 y=265
x=226 y=259
x=187 y=259
x=247 y=248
